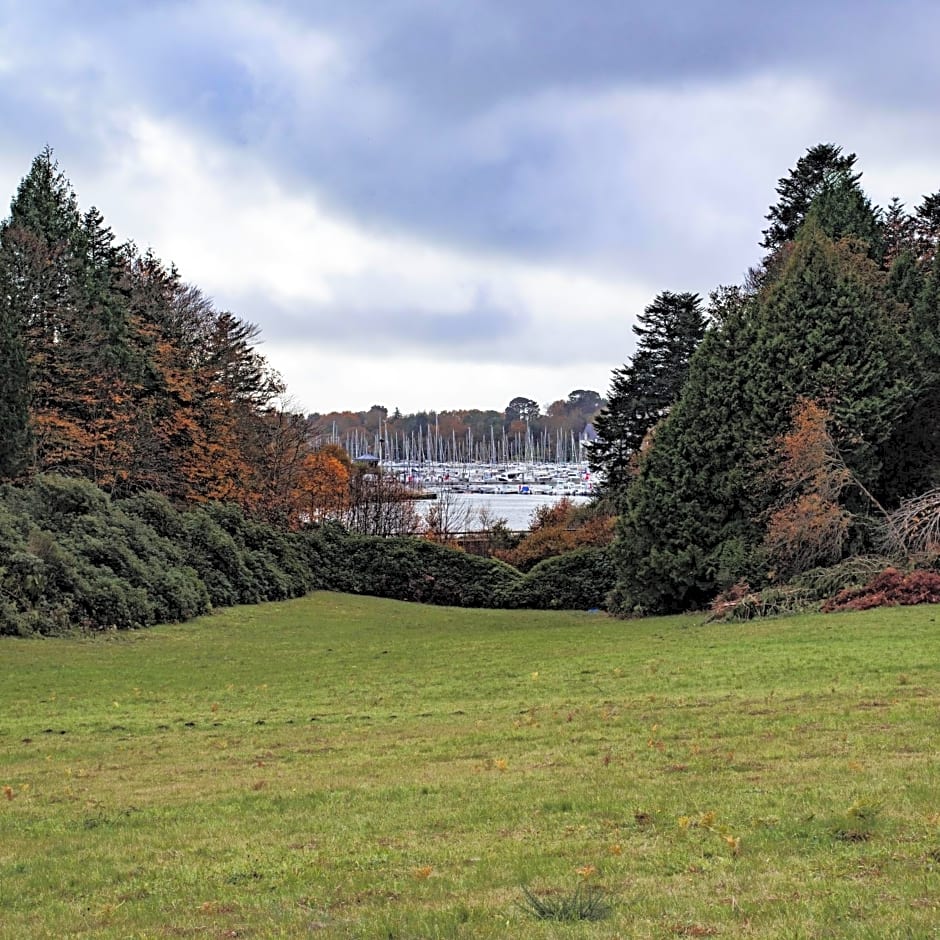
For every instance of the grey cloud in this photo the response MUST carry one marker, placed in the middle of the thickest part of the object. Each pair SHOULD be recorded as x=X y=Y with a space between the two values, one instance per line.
x=483 y=331
x=460 y=121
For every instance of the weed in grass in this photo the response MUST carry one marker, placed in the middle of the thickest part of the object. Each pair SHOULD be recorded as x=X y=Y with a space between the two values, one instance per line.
x=585 y=902
x=858 y=823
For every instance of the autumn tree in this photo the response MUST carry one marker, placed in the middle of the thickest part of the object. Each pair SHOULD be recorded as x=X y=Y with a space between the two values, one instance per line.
x=809 y=525
x=322 y=491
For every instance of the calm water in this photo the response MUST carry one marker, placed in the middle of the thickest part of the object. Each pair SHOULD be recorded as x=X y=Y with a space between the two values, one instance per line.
x=515 y=509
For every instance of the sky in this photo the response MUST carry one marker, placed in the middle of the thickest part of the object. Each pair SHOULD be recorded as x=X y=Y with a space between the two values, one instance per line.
x=435 y=204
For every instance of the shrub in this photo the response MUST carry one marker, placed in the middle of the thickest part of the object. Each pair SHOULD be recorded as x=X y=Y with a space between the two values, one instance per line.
x=181 y=595
x=578 y=580
x=417 y=570
x=556 y=530
x=890 y=588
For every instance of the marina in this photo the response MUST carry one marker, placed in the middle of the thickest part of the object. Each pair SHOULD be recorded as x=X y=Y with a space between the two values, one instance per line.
x=478 y=494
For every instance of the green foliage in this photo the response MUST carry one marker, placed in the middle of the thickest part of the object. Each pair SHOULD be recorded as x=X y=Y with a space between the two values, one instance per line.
x=419 y=570
x=821 y=167
x=72 y=558
x=14 y=391
x=578 y=580
x=584 y=903
x=642 y=391
x=822 y=329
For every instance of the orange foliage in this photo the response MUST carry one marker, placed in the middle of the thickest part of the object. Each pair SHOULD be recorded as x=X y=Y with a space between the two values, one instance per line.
x=557 y=529
x=322 y=490
x=809 y=527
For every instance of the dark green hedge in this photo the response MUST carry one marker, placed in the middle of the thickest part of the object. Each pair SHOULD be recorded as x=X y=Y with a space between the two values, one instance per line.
x=578 y=580
x=71 y=558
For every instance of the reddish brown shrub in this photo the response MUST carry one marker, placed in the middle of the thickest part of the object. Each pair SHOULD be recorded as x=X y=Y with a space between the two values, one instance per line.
x=890 y=588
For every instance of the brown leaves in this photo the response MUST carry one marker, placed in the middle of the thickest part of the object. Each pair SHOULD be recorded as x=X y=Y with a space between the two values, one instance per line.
x=809 y=526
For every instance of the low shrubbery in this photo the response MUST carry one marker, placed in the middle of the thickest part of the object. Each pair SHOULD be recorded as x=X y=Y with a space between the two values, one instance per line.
x=72 y=558
x=859 y=583
x=557 y=530
x=578 y=580
x=418 y=570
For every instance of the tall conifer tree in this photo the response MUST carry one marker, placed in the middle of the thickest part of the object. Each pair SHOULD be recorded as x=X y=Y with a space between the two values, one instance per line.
x=642 y=391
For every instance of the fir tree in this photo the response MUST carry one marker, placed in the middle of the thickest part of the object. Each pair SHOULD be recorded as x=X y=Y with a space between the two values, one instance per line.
x=642 y=391
x=822 y=330
x=821 y=165
x=14 y=391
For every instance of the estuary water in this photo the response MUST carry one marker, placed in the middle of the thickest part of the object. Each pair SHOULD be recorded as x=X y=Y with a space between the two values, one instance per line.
x=515 y=508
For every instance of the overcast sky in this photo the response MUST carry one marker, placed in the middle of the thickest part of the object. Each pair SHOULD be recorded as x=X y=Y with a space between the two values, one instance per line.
x=431 y=204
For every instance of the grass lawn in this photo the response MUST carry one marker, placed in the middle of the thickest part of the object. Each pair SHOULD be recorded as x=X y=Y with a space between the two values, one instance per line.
x=350 y=767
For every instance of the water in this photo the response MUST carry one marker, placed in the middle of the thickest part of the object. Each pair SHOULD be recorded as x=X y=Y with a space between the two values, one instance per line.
x=515 y=508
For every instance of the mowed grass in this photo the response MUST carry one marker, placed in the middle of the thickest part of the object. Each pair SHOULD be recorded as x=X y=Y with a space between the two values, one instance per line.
x=350 y=767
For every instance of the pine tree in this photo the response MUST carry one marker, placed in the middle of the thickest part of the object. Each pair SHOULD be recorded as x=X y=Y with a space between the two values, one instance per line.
x=822 y=329
x=820 y=166
x=642 y=390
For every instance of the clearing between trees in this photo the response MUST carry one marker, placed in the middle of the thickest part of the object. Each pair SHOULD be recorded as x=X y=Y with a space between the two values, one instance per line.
x=352 y=766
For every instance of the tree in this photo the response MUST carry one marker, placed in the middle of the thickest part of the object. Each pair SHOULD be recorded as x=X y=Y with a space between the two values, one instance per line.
x=691 y=519
x=584 y=401
x=521 y=409
x=14 y=391
x=643 y=390
x=322 y=490
x=819 y=166
x=809 y=526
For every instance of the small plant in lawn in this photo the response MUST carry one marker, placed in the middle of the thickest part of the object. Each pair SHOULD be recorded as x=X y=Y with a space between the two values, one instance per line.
x=585 y=902
x=858 y=822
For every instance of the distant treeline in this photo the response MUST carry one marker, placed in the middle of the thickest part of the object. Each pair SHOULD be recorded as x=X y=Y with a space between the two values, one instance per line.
x=520 y=432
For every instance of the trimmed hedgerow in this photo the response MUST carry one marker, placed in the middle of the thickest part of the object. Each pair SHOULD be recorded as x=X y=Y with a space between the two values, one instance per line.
x=418 y=570
x=578 y=580
x=70 y=558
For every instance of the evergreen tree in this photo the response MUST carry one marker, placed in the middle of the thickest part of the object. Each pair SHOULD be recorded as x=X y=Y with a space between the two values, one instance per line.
x=642 y=391
x=913 y=453
x=14 y=391
x=821 y=330
x=821 y=165
x=38 y=275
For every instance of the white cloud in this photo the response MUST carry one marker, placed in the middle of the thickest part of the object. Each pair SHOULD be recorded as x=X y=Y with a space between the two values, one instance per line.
x=241 y=237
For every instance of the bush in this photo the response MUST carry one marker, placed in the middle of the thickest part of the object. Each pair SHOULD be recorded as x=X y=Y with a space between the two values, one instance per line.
x=890 y=588
x=71 y=558
x=411 y=569
x=557 y=530
x=578 y=580
x=182 y=595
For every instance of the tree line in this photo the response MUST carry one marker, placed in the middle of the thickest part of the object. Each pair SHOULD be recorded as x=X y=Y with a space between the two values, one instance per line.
x=522 y=431
x=119 y=372
x=784 y=426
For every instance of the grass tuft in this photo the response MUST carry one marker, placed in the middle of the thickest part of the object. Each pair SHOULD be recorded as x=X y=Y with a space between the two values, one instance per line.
x=585 y=902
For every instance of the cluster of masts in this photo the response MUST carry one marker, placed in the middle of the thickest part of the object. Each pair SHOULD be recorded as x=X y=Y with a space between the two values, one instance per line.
x=432 y=447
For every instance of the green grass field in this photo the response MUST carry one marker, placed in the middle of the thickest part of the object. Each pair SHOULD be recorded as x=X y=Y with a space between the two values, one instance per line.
x=349 y=767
